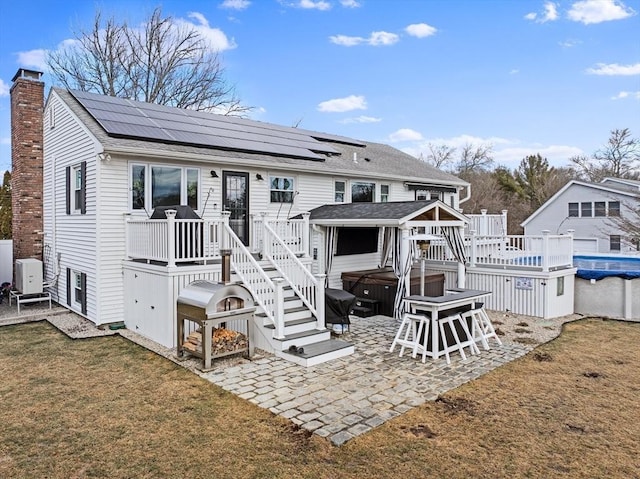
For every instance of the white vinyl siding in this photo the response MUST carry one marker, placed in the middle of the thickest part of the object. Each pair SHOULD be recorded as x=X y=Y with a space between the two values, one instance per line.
x=68 y=145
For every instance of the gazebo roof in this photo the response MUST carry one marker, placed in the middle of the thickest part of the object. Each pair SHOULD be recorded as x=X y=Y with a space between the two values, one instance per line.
x=392 y=214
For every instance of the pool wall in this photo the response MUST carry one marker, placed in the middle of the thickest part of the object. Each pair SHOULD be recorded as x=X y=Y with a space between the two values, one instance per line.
x=610 y=297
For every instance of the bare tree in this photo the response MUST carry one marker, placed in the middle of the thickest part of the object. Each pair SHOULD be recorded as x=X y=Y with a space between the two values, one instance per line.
x=475 y=158
x=440 y=156
x=163 y=62
x=619 y=158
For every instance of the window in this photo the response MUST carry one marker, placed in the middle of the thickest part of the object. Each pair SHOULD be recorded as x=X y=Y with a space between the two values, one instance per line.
x=614 y=208
x=76 y=192
x=362 y=192
x=384 y=193
x=77 y=188
x=153 y=186
x=585 y=209
x=77 y=290
x=422 y=195
x=574 y=211
x=339 y=188
x=614 y=243
x=600 y=208
x=281 y=189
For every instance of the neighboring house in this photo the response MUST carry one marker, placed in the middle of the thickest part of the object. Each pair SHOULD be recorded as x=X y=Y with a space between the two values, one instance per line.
x=110 y=162
x=589 y=209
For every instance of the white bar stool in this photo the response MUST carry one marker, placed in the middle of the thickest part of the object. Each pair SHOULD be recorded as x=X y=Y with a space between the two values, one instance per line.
x=481 y=328
x=412 y=325
x=458 y=345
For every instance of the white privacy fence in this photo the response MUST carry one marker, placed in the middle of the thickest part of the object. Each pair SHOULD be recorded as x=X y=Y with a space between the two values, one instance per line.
x=6 y=261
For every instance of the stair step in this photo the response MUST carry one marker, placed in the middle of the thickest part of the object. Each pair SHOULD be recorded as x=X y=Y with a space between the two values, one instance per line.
x=293 y=322
x=303 y=338
x=318 y=353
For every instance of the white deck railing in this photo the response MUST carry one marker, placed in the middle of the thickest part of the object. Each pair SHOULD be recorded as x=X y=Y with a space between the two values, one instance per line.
x=268 y=293
x=544 y=252
x=309 y=289
x=487 y=225
x=294 y=233
x=173 y=241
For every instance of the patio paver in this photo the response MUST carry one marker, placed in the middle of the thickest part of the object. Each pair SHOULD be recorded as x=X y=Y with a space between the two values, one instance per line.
x=349 y=396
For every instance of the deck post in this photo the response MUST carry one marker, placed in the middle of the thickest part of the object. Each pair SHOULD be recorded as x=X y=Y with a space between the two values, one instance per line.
x=171 y=237
x=224 y=240
x=504 y=222
x=545 y=250
x=305 y=234
x=461 y=266
x=474 y=250
x=320 y=301
x=278 y=315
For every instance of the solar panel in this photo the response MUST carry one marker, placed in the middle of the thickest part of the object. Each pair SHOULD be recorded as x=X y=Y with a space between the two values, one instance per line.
x=133 y=119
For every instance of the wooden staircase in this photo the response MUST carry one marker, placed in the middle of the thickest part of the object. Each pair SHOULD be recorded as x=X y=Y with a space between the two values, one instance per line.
x=303 y=342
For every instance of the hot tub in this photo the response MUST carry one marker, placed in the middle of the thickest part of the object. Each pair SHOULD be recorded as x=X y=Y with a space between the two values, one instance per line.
x=381 y=285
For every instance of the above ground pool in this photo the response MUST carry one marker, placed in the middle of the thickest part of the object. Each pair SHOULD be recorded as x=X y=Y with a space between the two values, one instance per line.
x=598 y=267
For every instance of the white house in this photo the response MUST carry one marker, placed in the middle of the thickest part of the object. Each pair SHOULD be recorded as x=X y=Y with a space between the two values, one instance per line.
x=109 y=163
x=588 y=209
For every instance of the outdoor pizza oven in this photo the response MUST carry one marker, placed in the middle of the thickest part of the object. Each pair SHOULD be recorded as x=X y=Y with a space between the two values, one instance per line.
x=212 y=307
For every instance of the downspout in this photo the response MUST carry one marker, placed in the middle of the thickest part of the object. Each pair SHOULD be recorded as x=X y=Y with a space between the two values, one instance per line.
x=466 y=198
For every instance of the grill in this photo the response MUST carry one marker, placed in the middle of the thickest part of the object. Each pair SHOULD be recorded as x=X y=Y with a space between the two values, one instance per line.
x=212 y=306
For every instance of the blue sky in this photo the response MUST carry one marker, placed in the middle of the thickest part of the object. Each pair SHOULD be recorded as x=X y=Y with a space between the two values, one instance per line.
x=523 y=76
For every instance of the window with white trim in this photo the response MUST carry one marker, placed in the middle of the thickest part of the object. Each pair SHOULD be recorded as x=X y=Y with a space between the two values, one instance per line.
x=76 y=197
x=154 y=185
x=574 y=210
x=422 y=195
x=614 y=208
x=384 y=193
x=339 y=188
x=363 y=192
x=281 y=189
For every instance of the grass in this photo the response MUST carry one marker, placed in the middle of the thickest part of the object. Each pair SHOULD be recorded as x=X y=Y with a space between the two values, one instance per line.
x=108 y=408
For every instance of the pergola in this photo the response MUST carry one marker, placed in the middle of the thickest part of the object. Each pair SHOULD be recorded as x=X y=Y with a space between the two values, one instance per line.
x=401 y=220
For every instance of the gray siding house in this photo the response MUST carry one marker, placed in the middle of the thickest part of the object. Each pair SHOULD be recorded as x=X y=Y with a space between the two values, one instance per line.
x=589 y=209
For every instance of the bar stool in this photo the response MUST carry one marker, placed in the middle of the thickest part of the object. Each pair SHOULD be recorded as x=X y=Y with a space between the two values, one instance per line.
x=458 y=345
x=413 y=325
x=481 y=327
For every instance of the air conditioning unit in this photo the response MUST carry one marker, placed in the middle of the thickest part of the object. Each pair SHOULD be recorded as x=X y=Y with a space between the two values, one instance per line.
x=29 y=276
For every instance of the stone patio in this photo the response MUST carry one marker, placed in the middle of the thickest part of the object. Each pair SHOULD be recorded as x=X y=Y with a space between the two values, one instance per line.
x=338 y=400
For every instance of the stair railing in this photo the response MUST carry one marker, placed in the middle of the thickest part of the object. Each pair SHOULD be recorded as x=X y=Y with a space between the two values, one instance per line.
x=310 y=289
x=267 y=293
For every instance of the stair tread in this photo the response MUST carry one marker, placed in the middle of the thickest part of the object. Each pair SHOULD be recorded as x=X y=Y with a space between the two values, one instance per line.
x=302 y=334
x=322 y=347
x=287 y=310
x=294 y=322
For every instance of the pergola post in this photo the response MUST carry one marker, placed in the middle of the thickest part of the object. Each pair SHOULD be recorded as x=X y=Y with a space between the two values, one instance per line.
x=461 y=266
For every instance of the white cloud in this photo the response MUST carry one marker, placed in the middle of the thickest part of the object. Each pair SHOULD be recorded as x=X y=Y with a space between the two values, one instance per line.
x=361 y=119
x=421 y=30
x=5 y=141
x=405 y=134
x=569 y=43
x=34 y=59
x=217 y=38
x=375 y=39
x=350 y=3
x=613 y=69
x=383 y=38
x=338 y=105
x=515 y=71
x=346 y=41
x=4 y=88
x=627 y=94
x=311 y=5
x=598 y=11
x=549 y=15
x=235 y=4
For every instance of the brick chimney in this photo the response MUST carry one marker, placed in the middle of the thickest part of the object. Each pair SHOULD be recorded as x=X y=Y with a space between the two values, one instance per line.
x=27 y=105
